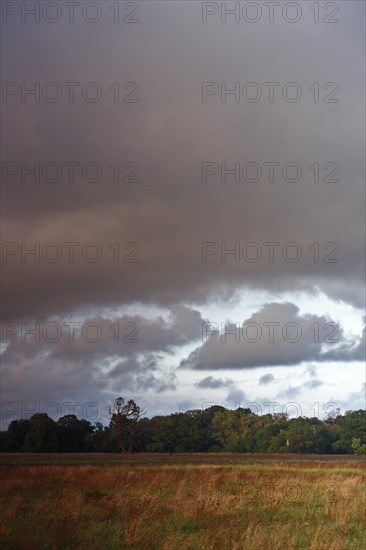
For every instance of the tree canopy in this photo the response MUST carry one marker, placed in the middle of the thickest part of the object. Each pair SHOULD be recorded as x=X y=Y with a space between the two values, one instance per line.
x=213 y=429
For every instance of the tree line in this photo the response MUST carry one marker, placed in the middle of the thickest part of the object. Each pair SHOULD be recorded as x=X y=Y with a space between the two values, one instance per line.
x=215 y=429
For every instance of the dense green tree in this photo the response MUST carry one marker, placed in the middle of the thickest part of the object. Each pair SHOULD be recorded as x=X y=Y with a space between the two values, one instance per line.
x=42 y=437
x=358 y=447
x=100 y=439
x=206 y=439
x=191 y=431
x=161 y=434
x=278 y=443
x=8 y=444
x=268 y=433
x=352 y=424
x=72 y=433
x=304 y=435
x=17 y=431
x=208 y=430
x=235 y=429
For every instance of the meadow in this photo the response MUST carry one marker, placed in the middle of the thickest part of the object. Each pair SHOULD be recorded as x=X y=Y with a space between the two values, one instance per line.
x=182 y=501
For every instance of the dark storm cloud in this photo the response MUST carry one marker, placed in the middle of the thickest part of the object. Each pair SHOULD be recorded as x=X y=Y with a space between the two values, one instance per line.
x=126 y=355
x=141 y=375
x=169 y=134
x=96 y=337
x=149 y=233
x=275 y=335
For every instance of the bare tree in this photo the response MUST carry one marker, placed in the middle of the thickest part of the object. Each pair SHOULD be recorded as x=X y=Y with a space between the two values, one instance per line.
x=125 y=423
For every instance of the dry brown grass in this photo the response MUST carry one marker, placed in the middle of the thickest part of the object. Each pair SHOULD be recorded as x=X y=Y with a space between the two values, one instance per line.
x=276 y=506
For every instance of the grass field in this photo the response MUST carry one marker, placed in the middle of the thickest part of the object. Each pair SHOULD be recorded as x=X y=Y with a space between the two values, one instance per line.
x=198 y=501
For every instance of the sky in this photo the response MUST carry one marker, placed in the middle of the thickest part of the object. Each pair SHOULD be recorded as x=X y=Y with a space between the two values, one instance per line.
x=183 y=196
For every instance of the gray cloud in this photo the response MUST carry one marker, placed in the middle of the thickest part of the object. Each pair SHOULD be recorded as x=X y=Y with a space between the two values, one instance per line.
x=98 y=336
x=266 y=379
x=291 y=392
x=170 y=132
x=170 y=212
x=355 y=400
x=348 y=351
x=141 y=375
x=214 y=383
x=313 y=384
x=127 y=359
x=275 y=335
x=185 y=405
x=311 y=371
x=236 y=396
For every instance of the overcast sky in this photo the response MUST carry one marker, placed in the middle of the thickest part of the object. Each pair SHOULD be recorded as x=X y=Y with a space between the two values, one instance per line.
x=192 y=185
